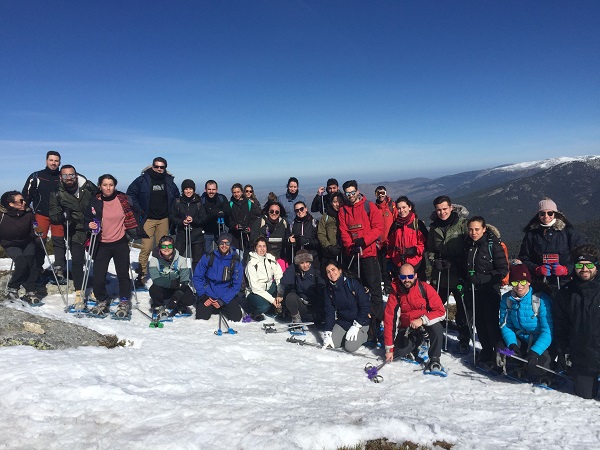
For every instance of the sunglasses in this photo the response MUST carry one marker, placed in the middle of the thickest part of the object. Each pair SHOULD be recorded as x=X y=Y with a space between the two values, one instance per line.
x=21 y=201
x=380 y=193
x=404 y=277
x=586 y=265
x=159 y=167
x=546 y=213
x=225 y=243
x=516 y=283
x=350 y=193
x=299 y=209
x=66 y=176
x=164 y=246
x=248 y=191
x=274 y=211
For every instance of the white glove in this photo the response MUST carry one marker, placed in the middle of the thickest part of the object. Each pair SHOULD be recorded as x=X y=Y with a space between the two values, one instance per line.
x=327 y=339
x=352 y=332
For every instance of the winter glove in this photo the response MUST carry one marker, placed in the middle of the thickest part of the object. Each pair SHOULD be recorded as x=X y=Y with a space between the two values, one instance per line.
x=543 y=270
x=352 y=333
x=561 y=363
x=410 y=251
x=247 y=230
x=532 y=360
x=360 y=242
x=559 y=271
x=441 y=264
x=515 y=349
x=334 y=250
x=355 y=249
x=327 y=339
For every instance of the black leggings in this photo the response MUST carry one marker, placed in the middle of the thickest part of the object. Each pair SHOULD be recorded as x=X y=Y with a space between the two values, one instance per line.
x=119 y=252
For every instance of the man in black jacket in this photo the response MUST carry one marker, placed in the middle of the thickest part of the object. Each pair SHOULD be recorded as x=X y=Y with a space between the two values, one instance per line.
x=37 y=190
x=323 y=197
x=217 y=213
x=576 y=312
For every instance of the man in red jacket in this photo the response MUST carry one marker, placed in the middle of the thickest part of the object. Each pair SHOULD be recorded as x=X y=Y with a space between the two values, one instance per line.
x=361 y=225
x=413 y=309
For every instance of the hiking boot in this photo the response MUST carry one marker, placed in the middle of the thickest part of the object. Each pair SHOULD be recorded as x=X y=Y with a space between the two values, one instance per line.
x=12 y=294
x=123 y=308
x=100 y=308
x=140 y=282
x=463 y=348
x=79 y=304
x=184 y=310
x=435 y=365
x=159 y=312
x=31 y=298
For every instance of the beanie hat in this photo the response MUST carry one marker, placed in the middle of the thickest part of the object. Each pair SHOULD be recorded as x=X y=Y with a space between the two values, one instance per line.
x=187 y=183
x=225 y=237
x=546 y=204
x=584 y=257
x=519 y=272
x=303 y=256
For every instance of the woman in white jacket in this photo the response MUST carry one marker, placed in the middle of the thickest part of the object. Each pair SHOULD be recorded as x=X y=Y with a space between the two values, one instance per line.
x=263 y=274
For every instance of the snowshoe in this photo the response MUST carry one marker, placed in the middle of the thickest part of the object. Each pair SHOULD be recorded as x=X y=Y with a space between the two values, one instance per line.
x=99 y=310
x=161 y=314
x=59 y=277
x=182 y=311
x=435 y=368
x=423 y=353
x=410 y=358
x=123 y=311
x=32 y=299
x=12 y=294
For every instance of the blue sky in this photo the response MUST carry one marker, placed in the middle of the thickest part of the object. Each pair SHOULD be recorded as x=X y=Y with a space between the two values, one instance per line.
x=257 y=91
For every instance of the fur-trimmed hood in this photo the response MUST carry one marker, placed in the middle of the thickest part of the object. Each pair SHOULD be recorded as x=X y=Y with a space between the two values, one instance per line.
x=560 y=224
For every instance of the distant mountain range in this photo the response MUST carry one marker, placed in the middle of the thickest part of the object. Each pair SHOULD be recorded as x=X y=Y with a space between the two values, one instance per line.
x=507 y=196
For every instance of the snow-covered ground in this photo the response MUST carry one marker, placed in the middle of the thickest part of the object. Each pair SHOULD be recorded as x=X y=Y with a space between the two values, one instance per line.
x=184 y=387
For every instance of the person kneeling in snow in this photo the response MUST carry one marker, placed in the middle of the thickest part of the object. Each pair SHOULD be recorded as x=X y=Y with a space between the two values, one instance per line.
x=218 y=280
x=526 y=323
x=347 y=299
x=170 y=280
x=413 y=309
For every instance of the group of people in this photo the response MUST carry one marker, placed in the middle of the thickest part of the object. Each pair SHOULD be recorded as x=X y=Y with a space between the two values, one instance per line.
x=228 y=256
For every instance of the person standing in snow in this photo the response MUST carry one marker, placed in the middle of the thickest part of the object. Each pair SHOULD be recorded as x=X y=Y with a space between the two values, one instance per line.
x=323 y=196
x=290 y=197
x=576 y=312
x=347 y=308
x=388 y=212
x=545 y=250
x=413 y=310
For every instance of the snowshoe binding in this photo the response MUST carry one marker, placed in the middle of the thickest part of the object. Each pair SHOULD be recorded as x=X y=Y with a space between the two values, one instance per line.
x=435 y=368
x=100 y=310
x=123 y=311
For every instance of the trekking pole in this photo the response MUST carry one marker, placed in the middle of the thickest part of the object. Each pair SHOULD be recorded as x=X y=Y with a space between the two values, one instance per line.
x=447 y=317
x=322 y=204
x=137 y=302
x=358 y=261
x=67 y=254
x=188 y=246
x=439 y=281
x=222 y=320
x=51 y=266
x=473 y=324
x=12 y=263
x=510 y=353
x=90 y=260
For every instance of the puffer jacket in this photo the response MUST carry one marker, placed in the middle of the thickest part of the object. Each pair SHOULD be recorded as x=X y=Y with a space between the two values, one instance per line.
x=308 y=285
x=405 y=306
x=485 y=260
x=168 y=274
x=345 y=302
x=276 y=233
x=576 y=322
x=402 y=237
x=209 y=280
x=356 y=223
x=329 y=235
x=62 y=201
x=388 y=213
x=16 y=227
x=189 y=206
x=560 y=239
x=305 y=232
x=261 y=272
x=521 y=322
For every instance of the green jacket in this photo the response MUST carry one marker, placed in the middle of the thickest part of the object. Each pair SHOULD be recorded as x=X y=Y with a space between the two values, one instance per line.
x=61 y=201
x=447 y=242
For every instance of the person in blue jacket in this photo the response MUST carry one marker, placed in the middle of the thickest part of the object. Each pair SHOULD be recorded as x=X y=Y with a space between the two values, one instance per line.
x=218 y=280
x=347 y=308
x=526 y=322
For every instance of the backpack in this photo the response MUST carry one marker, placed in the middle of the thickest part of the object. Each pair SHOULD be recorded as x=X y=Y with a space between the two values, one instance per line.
x=234 y=260
x=350 y=283
x=424 y=295
x=249 y=205
x=504 y=281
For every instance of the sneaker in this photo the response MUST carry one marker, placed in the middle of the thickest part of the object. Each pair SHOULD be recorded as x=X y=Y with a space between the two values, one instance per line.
x=31 y=298
x=79 y=304
x=12 y=294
